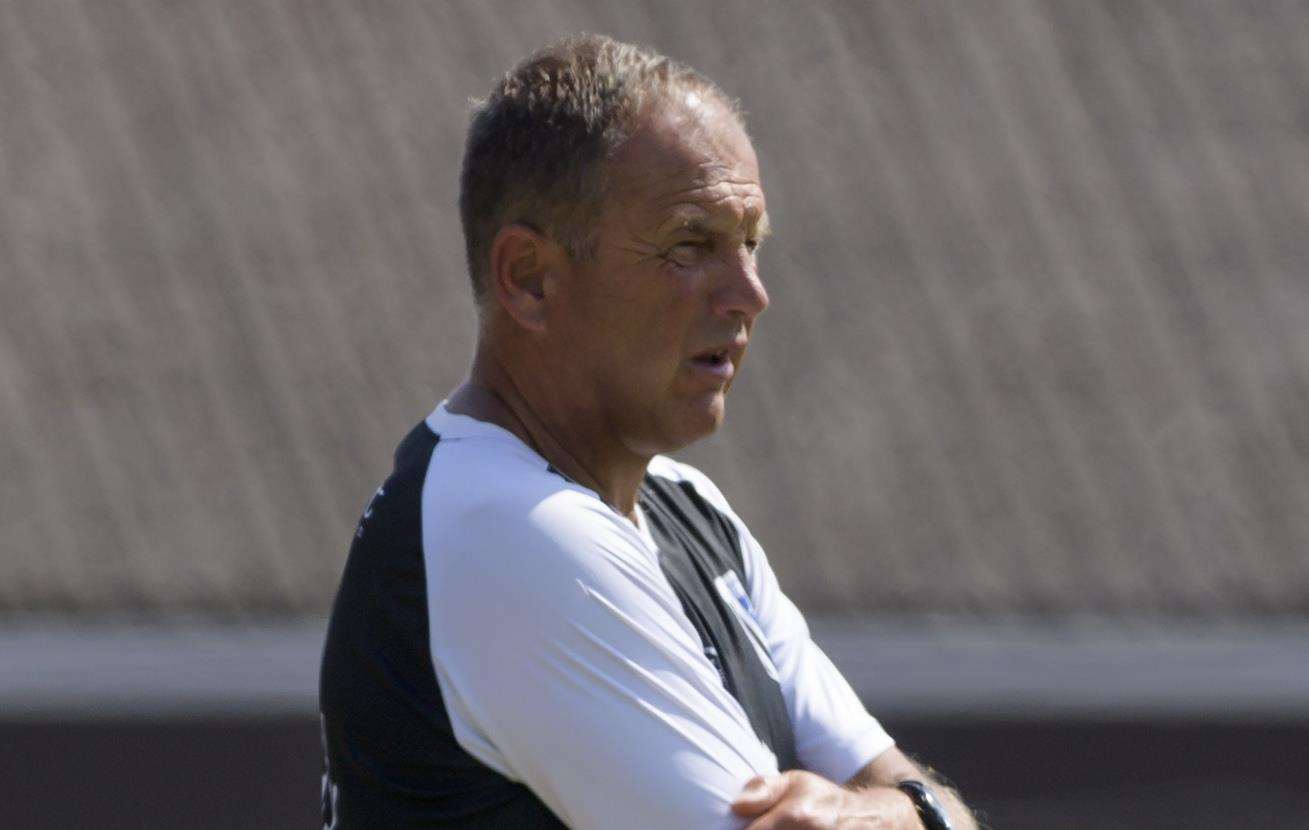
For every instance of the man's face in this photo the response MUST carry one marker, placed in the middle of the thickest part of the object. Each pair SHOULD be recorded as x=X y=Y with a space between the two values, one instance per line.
x=655 y=325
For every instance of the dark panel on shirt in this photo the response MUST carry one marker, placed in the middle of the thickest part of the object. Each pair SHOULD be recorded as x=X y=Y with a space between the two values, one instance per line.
x=391 y=751
x=697 y=544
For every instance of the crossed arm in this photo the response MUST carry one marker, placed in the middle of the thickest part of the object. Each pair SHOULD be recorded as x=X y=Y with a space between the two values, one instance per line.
x=800 y=800
x=598 y=695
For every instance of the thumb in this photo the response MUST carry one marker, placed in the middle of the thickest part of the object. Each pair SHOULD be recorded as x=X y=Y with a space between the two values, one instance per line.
x=759 y=794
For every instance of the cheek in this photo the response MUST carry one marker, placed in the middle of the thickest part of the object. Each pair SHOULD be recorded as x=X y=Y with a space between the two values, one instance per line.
x=651 y=348
x=647 y=328
x=666 y=337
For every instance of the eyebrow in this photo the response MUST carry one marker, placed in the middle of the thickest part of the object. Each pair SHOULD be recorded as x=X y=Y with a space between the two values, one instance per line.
x=697 y=222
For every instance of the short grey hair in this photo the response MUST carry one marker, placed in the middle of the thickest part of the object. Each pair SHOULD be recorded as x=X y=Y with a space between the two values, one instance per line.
x=537 y=144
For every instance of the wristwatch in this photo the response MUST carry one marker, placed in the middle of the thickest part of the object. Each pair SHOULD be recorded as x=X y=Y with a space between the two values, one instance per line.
x=929 y=809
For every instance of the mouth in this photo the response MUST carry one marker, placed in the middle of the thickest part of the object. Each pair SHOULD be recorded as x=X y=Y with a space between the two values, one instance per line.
x=711 y=359
x=718 y=362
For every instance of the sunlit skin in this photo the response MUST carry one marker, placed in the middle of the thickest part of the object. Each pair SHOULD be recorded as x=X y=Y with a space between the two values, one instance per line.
x=603 y=363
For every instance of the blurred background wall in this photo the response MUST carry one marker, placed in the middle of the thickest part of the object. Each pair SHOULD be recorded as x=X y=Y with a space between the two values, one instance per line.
x=1038 y=349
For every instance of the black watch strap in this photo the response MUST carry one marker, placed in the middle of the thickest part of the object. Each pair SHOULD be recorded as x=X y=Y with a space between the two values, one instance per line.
x=929 y=809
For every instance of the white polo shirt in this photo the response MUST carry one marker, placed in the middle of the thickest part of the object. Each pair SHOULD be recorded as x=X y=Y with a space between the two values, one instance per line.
x=617 y=674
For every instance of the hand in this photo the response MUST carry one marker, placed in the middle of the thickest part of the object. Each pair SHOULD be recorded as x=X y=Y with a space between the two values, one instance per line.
x=803 y=801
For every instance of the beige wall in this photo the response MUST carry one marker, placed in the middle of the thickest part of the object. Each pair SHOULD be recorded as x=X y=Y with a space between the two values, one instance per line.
x=1040 y=327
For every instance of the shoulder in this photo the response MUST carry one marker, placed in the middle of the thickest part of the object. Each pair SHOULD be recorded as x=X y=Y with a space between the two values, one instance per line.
x=697 y=490
x=662 y=468
x=496 y=517
x=697 y=495
x=530 y=526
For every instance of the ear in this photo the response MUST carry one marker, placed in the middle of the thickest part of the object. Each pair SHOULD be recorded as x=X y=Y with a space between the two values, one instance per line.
x=523 y=267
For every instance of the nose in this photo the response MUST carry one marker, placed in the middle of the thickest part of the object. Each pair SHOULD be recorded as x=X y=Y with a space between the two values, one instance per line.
x=740 y=292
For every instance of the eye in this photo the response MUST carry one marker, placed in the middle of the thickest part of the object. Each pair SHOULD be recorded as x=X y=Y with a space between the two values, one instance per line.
x=689 y=251
x=752 y=245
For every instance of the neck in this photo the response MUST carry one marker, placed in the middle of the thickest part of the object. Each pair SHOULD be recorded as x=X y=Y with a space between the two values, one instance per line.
x=574 y=444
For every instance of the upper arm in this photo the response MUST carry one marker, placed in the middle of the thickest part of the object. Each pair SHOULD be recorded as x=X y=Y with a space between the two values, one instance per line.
x=567 y=665
x=834 y=734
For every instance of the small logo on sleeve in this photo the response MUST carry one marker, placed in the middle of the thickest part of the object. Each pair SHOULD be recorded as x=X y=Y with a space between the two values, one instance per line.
x=736 y=598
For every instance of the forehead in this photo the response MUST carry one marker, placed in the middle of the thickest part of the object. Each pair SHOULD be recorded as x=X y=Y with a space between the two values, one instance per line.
x=689 y=159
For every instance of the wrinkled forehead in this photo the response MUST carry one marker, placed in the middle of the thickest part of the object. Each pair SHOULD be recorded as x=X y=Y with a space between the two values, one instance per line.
x=691 y=154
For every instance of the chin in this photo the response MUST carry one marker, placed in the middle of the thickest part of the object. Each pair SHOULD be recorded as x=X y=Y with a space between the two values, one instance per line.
x=674 y=424
x=717 y=413
x=701 y=421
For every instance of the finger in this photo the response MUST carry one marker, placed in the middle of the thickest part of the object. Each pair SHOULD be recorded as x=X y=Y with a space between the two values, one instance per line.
x=786 y=815
x=760 y=793
x=768 y=821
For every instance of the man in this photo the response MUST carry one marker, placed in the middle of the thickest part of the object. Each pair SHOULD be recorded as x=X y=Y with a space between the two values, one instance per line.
x=542 y=619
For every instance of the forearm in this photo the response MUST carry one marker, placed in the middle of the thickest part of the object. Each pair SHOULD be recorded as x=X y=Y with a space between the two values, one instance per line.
x=876 y=797
x=894 y=766
x=798 y=800
x=960 y=816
